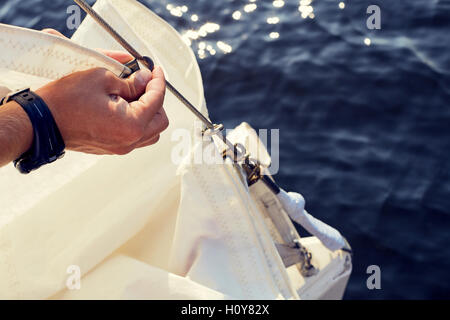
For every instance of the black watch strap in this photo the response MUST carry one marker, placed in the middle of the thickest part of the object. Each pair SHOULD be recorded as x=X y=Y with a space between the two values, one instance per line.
x=48 y=144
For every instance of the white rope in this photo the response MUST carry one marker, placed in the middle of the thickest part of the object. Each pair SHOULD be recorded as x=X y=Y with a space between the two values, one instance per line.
x=294 y=204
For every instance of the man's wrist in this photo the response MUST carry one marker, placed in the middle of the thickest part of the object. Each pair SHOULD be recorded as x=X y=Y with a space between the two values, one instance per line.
x=48 y=145
x=52 y=100
x=16 y=132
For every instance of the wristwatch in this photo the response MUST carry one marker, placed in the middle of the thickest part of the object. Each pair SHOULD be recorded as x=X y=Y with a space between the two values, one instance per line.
x=48 y=144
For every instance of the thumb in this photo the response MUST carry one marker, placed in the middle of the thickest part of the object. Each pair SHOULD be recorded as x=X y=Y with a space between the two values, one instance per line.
x=134 y=86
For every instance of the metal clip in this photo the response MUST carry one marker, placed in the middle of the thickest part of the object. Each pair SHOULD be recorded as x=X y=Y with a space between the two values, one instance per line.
x=306 y=268
x=252 y=168
x=130 y=68
x=238 y=153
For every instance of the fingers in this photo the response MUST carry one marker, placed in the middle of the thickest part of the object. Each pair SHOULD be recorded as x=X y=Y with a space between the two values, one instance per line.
x=147 y=143
x=122 y=57
x=143 y=136
x=159 y=123
x=54 y=32
x=152 y=101
x=132 y=88
x=146 y=118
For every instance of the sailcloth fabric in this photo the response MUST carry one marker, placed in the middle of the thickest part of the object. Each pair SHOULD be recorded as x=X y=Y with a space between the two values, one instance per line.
x=139 y=226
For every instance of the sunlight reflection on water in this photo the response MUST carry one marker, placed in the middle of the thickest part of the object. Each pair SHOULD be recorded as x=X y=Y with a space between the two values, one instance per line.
x=197 y=38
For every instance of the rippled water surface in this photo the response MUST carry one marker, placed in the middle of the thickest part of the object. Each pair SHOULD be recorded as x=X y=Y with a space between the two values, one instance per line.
x=364 y=115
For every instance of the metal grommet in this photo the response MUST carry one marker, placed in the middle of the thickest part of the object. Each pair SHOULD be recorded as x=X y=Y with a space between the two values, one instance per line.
x=208 y=132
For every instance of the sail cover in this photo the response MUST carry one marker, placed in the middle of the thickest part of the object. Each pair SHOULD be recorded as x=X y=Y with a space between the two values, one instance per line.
x=139 y=226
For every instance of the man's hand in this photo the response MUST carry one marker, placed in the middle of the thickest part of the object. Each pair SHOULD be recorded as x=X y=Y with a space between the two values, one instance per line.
x=129 y=126
x=96 y=112
x=100 y=113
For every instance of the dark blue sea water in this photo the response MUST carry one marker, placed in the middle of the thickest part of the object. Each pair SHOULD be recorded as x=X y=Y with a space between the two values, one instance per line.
x=365 y=129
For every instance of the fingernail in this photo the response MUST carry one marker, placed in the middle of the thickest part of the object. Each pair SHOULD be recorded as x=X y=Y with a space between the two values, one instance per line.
x=143 y=76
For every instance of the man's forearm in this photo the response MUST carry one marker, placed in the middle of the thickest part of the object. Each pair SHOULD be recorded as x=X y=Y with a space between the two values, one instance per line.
x=16 y=132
